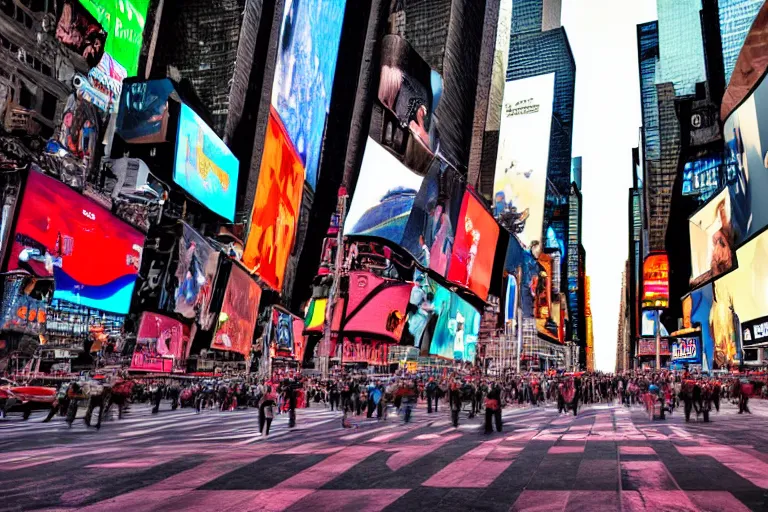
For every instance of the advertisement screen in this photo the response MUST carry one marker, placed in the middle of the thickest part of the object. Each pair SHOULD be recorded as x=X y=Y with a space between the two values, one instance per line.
x=306 y=64
x=79 y=31
x=431 y=228
x=376 y=307
x=384 y=196
x=747 y=286
x=91 y=254
x=142 y=117
x=746 y=144
x=456 y=328
x=239 y=312
x=124 y=22
x=282 y=330
x=299 y=340
x=656 y=281
x=755 y=332
x=700 y=307
x=315 y=317
x=686 y=350
x=510 y=303
x=195 y=275
x=358 y=351
x=648 y=324
x=20 y=312
x=713 y=240
x=701 y=176
x=276 y=206
x=162 y=344
x=474 y=248
x=647 y=347
x=204 y=165
x=520 y=181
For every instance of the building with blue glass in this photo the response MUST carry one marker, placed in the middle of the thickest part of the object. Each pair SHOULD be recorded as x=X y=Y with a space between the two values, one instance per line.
x=736 y=17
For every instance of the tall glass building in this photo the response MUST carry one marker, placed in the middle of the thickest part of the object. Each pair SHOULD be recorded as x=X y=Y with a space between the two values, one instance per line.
x=648 y=59
x=681 y=46
x=736 y=17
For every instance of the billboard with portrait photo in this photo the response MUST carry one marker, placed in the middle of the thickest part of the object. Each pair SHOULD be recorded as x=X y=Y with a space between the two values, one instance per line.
x=204 y=166
x=93 y=256
x=474 y=248
x=384 y=196
x=431 y=229
x=195 y=276
x=520 y=180
x=162 y=344
x=79 y=31
x=713 y=239
x=456 y=329
x=306 y=65
x=276 y=206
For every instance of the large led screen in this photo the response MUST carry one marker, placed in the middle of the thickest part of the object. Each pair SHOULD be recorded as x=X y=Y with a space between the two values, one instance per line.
x=92 y=255
x=79 y=31
x=520 y=181
x=474 y=248
x=239 y=312
x=281 y=330
x=648 y=324
x=195 y=275
x=700 y=306
x=686 y=350
x=456 y=329
x=276 y=206
x=204 y=165
x=142 y=117
x=656 y=281
x=376 y=307
x=701 y=176
x=306 y=64
x=713 y=246
x=162 y=344
x=746 y=141
x=124 y=22
x=431 y=228
x=384 y=196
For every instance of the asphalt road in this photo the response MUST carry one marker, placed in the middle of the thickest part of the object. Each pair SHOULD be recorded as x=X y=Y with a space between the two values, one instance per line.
x=606 y=458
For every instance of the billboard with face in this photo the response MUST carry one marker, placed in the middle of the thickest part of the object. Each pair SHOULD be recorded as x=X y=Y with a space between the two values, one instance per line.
x=275 y=207
x=474 y=248
x=124 y=21
x=162 y=344
x=204 y=165
x=521 y=166
x=92 y=255
x=713 y=239
x=239 y=311
x=456 y=328
x=195 y=276
x=306 y=64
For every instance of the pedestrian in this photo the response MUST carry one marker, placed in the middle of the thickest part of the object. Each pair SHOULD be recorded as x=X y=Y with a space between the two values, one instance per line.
x=493 y=408
x=267 y=411
x=454 y=398
x=95 y=393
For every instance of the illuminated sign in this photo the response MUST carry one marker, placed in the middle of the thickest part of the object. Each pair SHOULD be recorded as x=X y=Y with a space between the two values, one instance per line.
x=647 y=347
x=755 y=332
x=656 y=281
x=686 y=350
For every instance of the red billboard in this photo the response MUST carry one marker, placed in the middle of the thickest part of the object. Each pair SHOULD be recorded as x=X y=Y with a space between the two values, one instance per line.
x=239 y=311
x=357 y=351
x=656 y=281
x=162 y=344
x=647 y=347
x=474 y=247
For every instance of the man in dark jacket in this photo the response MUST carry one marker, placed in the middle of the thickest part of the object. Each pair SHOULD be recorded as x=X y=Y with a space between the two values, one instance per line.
x=493 y=408
x=454 y=398
x=431 y=390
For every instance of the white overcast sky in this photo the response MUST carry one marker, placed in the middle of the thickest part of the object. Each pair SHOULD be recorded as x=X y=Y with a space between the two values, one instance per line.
x=603 y=38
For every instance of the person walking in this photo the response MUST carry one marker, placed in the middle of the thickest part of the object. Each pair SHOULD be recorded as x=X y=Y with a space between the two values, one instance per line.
x=454 y=398
x=267 y=411
x=493 y=408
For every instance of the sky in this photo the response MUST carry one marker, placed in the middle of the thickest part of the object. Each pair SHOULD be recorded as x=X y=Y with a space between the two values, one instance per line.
x=607 y=119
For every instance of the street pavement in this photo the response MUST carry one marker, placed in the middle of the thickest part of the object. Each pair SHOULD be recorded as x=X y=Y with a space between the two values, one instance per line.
x=607 y=458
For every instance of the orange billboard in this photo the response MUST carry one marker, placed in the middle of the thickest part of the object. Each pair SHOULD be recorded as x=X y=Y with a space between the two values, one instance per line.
x=276 y=206
x=656 y=281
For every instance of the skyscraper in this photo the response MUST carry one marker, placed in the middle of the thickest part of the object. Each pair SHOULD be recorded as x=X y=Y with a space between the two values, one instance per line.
x=648 y=60
x=736 y=17
x=681 y=47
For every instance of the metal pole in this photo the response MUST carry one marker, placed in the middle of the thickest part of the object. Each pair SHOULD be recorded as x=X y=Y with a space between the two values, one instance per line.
x=658 y=340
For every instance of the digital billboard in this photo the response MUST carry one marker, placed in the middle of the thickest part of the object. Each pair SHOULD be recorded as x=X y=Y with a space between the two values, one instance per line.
x=701 y=176
x=376 y=307
x=204 y=166
x=239 y=312
x=79 y=31
x=648 y=324
x=384 y=196
x=746 y=145
x=195 y=276
x=686 y=350
x=647 y=347
x=510 y=302
x=456 y=329
x=431 y=228
x=92 y=255
x=755 y=332
x=474 y=248
x=142 y=117
x=124 y=21
x=723 y=327
x=713 y=239
x=655 y=281
x=747 y=286
x=306 y=64
x=19 y=311
x=162 y=344
x=520 y=180
x=281 y=330
x=276 y=206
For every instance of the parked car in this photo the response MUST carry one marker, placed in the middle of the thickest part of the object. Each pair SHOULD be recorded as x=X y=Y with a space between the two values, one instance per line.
x=24 y=399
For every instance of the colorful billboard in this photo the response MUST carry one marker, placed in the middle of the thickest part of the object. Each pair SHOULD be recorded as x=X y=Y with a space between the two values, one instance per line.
x=281 y=330
x=647 y=347
x=124 y=22
x=162 y=344
x=702 y=176
x=306 y=65
x=510 y=302
x=91 y=254
x=474 y=248
x=747 y=286
x=746 y=144
x=431 y=229
x=204 y=165
x=713 y=239
x=648 y=324
x=142 y=117
x=655 y=281
x=239 y=312
x=384 y=196
x=357 y=351
x=521 y=166
x=456 y=329
x=276 y=206
x=195 y=276
x=686 y=350
x=755 y=332
x=79 y=31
